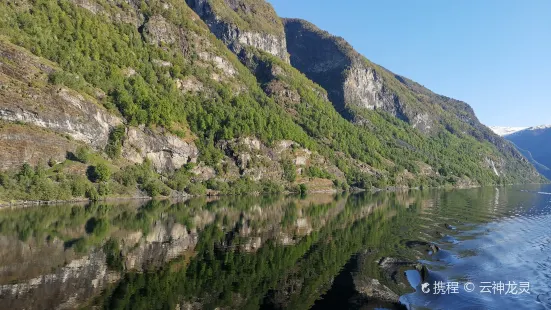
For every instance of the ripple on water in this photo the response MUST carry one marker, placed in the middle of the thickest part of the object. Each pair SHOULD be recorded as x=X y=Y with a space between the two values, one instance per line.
x=512 y=242
x=545 y=300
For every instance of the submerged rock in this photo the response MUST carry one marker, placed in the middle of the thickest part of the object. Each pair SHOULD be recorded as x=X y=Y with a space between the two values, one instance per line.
x=372 y=288
x=448 y=226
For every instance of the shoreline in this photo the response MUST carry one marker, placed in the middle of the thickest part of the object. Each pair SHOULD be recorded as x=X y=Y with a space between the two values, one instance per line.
x=33 y=203
x=390 y=189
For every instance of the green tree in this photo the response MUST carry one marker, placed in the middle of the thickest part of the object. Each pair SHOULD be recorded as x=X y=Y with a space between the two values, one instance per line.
x=114 y=146
x=196 y=189
x=99 y=173
x=82 y=154
x=289 y=170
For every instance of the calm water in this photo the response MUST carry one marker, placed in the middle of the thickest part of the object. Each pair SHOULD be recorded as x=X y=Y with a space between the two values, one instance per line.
x=365 y=251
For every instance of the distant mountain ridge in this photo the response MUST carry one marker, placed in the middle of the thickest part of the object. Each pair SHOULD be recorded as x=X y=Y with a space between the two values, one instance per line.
x=537 y=129
x=533 y=142
x=503 y=131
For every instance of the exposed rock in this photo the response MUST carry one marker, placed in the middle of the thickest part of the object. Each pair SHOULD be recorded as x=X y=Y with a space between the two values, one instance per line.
x=167 y=152
x=269 y=43
x=222 y=64
x=282 y=93
x=448 y=226
x=28 y=144
x=393 y=268
x=254 y=160
x=190 y=84
x=56 y=108
x=283 y=145
x=302 y=158
x=131 y=15
x=423 y=247
x=162 y=63
x=91 y=6
x=373 y=289
x=203 y=173
x=158 y=31
x=131 y=239
x=491 y=164
x=129 y=72
x=67 y=112
x=422 y=121
x=188 y=305
x=235 y=38
x=251 y=143
x=364 y=88
x=258 y=161
x=434 y=248
x=350 y=80
x=63 y=111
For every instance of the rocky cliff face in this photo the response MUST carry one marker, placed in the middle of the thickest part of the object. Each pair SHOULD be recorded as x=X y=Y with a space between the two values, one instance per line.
x=29 y=144
x=226 y=21
x=167 y=152
x=27 y=98
x=353 y=82
x=61 y=112
x=331 y=62
x=364 y=88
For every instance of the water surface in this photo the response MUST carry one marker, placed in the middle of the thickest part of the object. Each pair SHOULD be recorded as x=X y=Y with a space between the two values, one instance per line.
x=363 y=251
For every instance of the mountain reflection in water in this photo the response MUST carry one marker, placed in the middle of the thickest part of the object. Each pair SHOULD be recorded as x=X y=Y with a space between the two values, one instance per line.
x=362 y=251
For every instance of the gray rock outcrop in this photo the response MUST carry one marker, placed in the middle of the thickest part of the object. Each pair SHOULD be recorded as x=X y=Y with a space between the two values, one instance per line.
x=167 y=152
x=63 y=111
x=347 y=76
x=235 y=37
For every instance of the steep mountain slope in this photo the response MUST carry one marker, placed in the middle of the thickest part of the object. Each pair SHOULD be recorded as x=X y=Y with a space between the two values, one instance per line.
x=542 y=169
x=355 y=86
x=537 y=142
x=120 y=79
x=140 y=97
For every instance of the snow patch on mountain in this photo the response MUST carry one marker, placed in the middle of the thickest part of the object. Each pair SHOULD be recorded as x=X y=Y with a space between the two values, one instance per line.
x=504 y=131
x=540 y=127
x=535 y=128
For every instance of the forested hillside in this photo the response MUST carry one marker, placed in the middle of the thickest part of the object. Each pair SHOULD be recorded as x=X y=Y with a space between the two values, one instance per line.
x=124 y=98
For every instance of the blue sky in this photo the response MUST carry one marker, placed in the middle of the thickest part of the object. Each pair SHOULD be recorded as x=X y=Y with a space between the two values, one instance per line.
x=493 y=54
